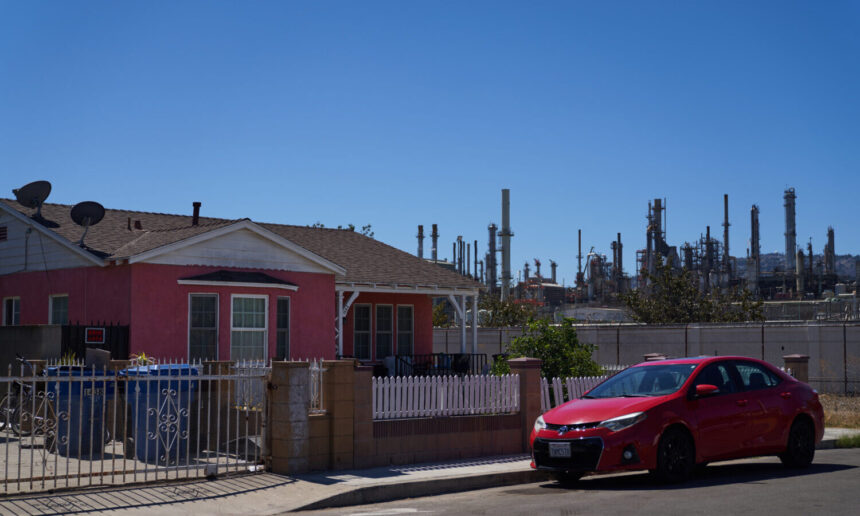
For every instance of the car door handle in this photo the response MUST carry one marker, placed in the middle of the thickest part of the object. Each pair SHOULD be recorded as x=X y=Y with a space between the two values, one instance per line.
x=786 y=395
x=742 y=403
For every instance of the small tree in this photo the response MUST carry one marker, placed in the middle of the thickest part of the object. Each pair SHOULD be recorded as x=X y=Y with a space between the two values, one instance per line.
x=501 y=314
x=440 y=318
x=557 y=346
x=673 y=297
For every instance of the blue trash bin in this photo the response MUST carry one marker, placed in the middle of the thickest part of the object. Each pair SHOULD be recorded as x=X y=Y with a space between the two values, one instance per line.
x=81 y=406
x=159 y=404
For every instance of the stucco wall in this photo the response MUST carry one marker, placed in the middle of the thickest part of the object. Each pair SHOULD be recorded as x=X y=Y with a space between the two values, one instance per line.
x=423 y=320
x=159 y=323
x=95 y=293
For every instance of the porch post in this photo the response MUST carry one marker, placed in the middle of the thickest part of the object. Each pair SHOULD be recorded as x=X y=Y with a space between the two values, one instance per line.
x=463 y=324
x=475 y=323
x=339 y=323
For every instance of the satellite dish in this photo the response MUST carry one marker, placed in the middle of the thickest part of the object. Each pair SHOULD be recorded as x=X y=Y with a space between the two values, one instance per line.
x=86 y=214
x=32 y=195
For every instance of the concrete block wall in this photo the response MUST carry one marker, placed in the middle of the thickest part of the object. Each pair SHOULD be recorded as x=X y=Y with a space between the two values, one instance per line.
x=346 y=436
x=833 y=348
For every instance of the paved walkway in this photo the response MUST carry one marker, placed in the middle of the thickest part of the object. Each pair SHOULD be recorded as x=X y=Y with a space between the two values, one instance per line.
x=266 y=493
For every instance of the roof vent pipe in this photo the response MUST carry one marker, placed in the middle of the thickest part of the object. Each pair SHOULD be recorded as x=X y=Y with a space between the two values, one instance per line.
x=196 y=218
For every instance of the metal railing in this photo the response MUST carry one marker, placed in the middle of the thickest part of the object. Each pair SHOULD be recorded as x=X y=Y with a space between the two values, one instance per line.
x=440 y=364
x=315 y=375
x=73 y=426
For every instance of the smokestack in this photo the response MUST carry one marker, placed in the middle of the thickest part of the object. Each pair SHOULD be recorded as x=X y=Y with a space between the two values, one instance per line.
x=726 y=265
x=620 y=267
x=491 y=258
x=435 y=237
x=790 y=233
x=799 y=272
x=468 y=259
x=537 y=268
x=196 y=219
x=754 y=267
x=579 y=251
x=830 y=253
x=475 y=257
x=420 y=241
x=553 y=266
x=526 y=273
x=506 y=235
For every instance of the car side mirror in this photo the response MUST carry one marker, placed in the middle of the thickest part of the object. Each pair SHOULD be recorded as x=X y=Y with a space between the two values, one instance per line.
x=704 y=390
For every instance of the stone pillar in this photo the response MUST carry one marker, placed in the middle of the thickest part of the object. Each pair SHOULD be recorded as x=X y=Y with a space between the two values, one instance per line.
x=289 y=404
x=529 y=371
x=339 y=401
x=364 y=448
x=798 y=365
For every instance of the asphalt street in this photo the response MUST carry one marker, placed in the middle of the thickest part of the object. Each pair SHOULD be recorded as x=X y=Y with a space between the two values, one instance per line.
x=758 y=486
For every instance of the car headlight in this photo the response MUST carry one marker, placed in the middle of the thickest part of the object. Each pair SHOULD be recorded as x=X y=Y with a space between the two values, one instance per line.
x=621 y=422
x=540 y=424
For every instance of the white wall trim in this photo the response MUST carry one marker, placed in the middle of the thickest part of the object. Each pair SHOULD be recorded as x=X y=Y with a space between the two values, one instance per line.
x=405 y=289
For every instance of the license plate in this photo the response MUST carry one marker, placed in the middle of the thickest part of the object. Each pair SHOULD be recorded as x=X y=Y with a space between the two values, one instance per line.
x=559 y=450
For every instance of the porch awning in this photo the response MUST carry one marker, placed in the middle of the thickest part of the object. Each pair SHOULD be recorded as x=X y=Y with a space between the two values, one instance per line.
x=238 y=279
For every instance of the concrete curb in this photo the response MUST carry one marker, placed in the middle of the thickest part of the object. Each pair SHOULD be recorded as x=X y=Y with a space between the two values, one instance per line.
x=430 y=487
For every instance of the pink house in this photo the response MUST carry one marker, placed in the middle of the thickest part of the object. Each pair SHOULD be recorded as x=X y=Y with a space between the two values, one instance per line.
x=199 y=287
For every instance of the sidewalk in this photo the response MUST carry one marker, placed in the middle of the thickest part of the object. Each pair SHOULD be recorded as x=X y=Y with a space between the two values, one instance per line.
x=265 y=494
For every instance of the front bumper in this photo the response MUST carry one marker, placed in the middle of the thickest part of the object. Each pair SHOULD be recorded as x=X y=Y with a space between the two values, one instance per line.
x=584 y=454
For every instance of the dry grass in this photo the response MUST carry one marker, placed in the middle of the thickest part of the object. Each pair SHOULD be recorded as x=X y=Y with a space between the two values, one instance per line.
x=841 y=411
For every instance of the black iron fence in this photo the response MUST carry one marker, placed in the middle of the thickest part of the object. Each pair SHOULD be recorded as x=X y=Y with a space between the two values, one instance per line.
x=440 y=364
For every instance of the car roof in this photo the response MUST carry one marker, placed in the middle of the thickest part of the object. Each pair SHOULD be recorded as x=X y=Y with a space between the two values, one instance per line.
x=695 y=360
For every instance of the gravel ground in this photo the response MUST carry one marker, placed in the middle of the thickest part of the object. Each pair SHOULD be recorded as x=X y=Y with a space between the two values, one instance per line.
x=841 y=411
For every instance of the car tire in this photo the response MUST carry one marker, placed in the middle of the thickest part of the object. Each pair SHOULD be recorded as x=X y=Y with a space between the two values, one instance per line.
x=676 y=456
x=800 y=449
x=568 y=478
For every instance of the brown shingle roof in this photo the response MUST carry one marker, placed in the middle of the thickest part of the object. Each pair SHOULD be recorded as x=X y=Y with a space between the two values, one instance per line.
x=366 y=260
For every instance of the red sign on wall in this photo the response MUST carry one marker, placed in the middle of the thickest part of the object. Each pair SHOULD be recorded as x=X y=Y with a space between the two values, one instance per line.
x=94 y=336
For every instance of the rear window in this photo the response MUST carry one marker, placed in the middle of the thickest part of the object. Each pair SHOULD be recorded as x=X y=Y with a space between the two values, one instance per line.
x=756 y=376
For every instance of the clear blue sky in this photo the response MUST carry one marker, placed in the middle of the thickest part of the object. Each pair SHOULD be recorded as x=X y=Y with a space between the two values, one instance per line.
x=404 y=113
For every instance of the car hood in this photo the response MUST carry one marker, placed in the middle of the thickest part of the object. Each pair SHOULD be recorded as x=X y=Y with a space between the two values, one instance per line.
x=596 y=410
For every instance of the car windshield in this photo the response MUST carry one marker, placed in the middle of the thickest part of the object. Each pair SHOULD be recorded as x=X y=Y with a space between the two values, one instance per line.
x=652 y=380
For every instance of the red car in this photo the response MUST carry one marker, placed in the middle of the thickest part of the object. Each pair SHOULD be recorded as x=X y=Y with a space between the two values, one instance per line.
x=670 y=416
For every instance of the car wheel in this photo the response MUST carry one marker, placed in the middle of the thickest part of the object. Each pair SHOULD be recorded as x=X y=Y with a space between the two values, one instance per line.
x=801 y=445
x=675 y=456
x=567 y=478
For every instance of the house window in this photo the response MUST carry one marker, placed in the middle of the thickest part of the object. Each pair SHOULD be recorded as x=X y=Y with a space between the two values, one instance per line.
x=12 y=311
x=4 y=233
x=404 y=330
x=203 y=327
x=384 y=329
x=248 y=331
x=283 y=321
x=361 y=332
x=59 y=309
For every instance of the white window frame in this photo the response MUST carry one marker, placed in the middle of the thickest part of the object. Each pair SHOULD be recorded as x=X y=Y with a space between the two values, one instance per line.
x=369 y=331
x=12 y=323
x=51 y=299
x=217 y=322
x=397 y=330
x=390 y=329
x=289 y=324
x=265 y=329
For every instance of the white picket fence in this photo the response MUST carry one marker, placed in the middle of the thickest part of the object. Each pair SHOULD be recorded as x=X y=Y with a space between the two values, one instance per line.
x=437 y=396
x=575 y=387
